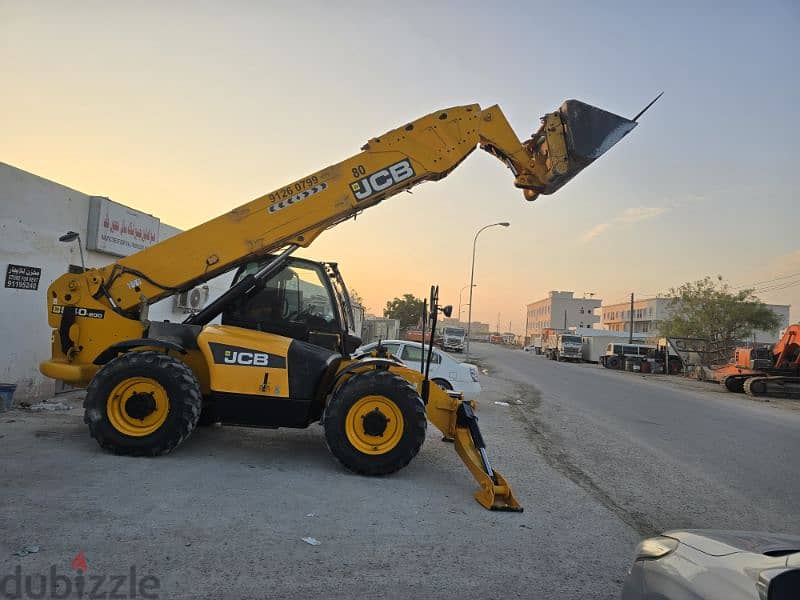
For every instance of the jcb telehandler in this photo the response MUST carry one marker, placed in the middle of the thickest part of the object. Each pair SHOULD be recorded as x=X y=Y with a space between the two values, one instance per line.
x=282 y=355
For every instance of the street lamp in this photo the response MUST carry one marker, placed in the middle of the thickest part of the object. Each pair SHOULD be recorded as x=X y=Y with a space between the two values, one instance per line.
x=472 y=277
x=459 y=299
x=71 y=236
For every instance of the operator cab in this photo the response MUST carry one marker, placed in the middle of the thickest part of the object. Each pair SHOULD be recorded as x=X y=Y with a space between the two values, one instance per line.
x=305 y=300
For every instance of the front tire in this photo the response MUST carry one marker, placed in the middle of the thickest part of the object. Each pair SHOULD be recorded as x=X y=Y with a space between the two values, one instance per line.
x=142 y=404
x=375 y=423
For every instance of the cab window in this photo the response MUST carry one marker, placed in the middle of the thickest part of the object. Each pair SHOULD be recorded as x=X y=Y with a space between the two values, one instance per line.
x=293 y=302
x=414 y=354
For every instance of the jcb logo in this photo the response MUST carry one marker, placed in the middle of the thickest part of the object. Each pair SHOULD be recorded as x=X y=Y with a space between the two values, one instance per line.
x=250 y=359
x=382 y=180
x=225 y=354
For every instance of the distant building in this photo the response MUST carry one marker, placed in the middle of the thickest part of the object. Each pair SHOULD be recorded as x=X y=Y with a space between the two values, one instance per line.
x=560 y=310
x=375 y=328
x=649 y=312
x=479 y=331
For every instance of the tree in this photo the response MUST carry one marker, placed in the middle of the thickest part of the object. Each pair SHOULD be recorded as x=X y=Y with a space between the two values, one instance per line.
x=355 y=298
x=407 y=309
x=711 y=310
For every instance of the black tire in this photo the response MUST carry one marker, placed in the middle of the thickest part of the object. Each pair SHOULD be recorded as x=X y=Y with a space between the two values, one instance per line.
x=443 y=383
x=183 y=394
x=613 y=362
x=405 y=398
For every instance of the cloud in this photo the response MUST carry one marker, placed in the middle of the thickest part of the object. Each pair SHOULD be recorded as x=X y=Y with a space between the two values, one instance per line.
x=595 y=231
x=634 y=214
x=639 y=213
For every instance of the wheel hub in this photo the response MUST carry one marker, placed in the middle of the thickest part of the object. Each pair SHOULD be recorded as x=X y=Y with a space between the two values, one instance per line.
x=137 y=406
x=140 y=405
x=375 y=423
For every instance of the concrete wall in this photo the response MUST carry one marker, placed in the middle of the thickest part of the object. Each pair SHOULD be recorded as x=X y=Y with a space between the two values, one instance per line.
x=34 y=212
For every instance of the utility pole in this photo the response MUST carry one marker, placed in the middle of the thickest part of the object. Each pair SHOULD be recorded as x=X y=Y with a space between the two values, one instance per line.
x=525 y=341
x=630 y=337
x=565 y=319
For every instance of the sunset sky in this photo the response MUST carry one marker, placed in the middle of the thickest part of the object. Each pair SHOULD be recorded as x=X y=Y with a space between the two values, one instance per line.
x=188 y=109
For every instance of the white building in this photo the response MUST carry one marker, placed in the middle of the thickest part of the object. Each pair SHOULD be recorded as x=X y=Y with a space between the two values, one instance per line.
x=648 y=312
x=560 y=310
x=34 y=213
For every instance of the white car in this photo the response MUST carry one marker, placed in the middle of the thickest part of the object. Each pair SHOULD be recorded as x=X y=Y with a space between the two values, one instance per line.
x=445 y=371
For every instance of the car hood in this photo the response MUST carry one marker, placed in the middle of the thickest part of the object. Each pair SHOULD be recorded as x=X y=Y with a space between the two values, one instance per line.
x=720 y=542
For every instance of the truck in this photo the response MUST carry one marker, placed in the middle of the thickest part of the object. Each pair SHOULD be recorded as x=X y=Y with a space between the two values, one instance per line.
x=453 y=338
x=563 y=346
x=281 y=354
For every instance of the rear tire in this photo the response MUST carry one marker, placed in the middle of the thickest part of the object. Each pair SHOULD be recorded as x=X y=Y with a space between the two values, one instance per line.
x=113 y=404
x=612 y=362
x=388 y=397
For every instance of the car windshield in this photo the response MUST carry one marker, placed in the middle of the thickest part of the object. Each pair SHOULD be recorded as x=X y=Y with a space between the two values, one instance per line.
x=453 y=331
x=572 y=339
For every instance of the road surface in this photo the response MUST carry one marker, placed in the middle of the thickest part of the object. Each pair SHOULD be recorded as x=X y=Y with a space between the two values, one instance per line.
x=660 y=454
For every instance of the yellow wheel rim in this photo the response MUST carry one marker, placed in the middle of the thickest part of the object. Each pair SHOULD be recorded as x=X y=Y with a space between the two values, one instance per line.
x=137 y=406
x=374 y=425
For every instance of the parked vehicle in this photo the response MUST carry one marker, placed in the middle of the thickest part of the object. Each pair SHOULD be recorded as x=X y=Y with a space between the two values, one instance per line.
x=595 y=346
x=563 y=346
x=453 y=339
x=446 y=372
x=715 y=565
x=616 y=354
x=773 y=371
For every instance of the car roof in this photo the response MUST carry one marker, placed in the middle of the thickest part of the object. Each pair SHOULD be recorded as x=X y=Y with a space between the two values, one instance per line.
x=406 y=342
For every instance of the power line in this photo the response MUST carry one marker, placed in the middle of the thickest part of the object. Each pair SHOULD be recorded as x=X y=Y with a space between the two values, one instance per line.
x=756 y=283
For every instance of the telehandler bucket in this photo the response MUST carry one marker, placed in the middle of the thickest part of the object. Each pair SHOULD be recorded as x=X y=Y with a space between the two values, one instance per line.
x=569 y=140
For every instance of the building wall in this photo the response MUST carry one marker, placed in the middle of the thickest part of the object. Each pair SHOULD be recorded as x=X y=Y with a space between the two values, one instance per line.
x=34 y=212
x=648 y=312
x=549 y=312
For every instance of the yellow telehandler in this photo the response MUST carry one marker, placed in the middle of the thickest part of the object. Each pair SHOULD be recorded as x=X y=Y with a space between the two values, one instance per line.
x=282 y=355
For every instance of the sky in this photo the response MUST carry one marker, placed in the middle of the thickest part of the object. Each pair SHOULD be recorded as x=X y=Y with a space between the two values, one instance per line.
x=188 y=109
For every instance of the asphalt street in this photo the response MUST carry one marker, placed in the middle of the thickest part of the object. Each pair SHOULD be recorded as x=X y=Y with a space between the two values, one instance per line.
x=657 y=451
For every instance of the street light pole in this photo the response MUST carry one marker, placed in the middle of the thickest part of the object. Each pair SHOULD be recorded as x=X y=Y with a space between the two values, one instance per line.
x=459 y=301
x=472 y=278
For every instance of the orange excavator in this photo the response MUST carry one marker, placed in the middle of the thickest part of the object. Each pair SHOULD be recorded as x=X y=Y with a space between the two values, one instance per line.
x=769 y=372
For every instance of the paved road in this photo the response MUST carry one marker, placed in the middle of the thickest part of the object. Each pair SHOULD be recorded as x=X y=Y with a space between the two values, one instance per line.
x=660 y=455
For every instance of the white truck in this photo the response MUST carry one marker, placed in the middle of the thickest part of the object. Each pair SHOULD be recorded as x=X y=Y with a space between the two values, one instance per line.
x=453 y=339
x=563 y=346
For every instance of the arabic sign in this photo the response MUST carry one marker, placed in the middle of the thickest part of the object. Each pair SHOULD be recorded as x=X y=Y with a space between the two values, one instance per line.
x=21 y=277
x=119 y=230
